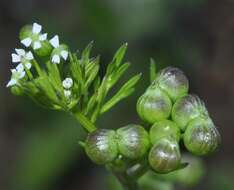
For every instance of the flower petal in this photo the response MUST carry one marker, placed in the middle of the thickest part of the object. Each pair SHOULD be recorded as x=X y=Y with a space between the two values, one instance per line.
x=15 y=58
x=13 y=71
x=12 y=82
x=64 y=54
x=27 y=42
x=36 y=28
x=43 y=37
x=55 y=41
x=28 y=65
x=20 y=52
x=36 y=45
x=20 y=68
x=29 y=56
x=56 y=59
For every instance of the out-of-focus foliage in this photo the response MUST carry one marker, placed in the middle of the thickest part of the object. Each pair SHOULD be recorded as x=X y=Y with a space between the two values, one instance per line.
x=47 y=153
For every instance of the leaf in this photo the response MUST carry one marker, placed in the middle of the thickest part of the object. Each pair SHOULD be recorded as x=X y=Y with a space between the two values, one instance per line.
x=117 y=74
x=54 y=77
x=76 y=69
x=85 y=54
x=43 y=83
x=126 y=90
x=92 y=76
x=153 y=72
x=116 y=61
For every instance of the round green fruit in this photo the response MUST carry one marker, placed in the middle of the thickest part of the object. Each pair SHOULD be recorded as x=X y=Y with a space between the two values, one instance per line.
x=201 y=137
x=101 y=146
x=133 y=141
x=154 y=105
x=165 y=156
x=165 y=128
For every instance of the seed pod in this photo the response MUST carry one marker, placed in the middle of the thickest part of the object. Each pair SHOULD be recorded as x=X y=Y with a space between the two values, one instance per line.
x=101 y=146
x=133 y=141
x=186 y=109
x=154 y=105
x=173 y=81
x=164 y=156
x=165 y=128
x=201 y=136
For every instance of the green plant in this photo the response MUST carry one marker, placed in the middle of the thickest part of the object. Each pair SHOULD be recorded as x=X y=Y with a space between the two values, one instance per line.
x=56 y=78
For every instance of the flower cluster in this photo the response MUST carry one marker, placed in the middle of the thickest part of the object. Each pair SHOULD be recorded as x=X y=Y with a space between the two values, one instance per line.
x=31 y=37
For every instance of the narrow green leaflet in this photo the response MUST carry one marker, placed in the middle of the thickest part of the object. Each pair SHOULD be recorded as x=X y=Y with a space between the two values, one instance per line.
x=118 y=57
x=126 y=90
x=91 y=72
x=86 y=53
x=43 y=83
x=75 y=68
x=113 y=79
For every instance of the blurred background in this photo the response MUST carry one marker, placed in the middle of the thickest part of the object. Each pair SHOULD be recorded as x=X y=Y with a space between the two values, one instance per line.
x=39 y=148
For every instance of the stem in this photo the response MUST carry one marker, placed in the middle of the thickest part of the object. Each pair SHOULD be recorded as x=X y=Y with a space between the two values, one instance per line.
x=37 y=67
x=127 y=172
x=84 y=121
x=126 y=182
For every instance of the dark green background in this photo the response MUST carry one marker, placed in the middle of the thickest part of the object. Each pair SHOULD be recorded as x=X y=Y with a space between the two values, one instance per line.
x=39 y=149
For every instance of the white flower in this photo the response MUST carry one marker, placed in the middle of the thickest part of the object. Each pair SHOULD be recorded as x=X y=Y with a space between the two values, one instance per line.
x=59 y=52
x=17 y=74
x=67 y=83
x=23 y=58
x=35 y=38
x=67 y=93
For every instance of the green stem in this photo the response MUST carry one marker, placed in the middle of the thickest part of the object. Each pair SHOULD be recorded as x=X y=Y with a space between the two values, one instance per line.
x=84 y=121
x=126 y=182
x=37 y=67
x=127 y=172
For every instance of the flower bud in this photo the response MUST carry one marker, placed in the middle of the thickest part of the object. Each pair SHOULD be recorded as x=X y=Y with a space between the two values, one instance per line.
x=165 y=128
x=164 y=156
x=17 y=91
x=154 y=105
x=133 y=141
x=201 y=137
x=173 y=82
x=101 y=146
x=187 y=108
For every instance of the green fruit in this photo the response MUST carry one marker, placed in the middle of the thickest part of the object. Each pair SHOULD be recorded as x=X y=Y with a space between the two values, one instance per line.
x=101 y=146
x=186 y=109
x=133 y=141
x=173 y=82
x=164 y=156
x=201 y=137
x=165 y=128
x=154 y=105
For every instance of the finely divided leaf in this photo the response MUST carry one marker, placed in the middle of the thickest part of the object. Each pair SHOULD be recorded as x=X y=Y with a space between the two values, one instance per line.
x=126 y=90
